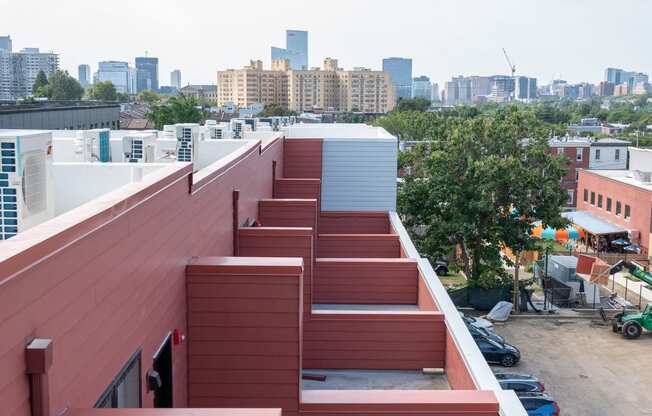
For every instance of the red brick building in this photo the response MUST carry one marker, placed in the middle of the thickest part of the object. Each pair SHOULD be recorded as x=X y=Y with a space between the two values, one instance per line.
x=577 y=150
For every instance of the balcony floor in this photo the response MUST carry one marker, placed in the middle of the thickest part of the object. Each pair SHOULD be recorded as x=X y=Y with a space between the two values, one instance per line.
x=323 y=307
x=375 y=380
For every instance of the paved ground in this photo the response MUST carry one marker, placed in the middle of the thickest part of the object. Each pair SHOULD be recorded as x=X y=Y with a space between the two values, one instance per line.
x=589 y=370
x=376 y=380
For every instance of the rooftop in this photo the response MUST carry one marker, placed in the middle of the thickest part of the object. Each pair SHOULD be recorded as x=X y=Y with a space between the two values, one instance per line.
x=624 y=176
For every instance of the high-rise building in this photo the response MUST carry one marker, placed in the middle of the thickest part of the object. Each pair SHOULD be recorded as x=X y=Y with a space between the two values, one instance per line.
x=525 y=88
x=18 y=70
x=330 y=88
x=84 y=75
x=5 y=43
x=400 y=72
x=606 y=89
x=435 y=93
x=613 y=75
x=422 y=88
x=502 y=88
x=146 y=73
x=119 y=73
x=295 y=51
x=175 y=79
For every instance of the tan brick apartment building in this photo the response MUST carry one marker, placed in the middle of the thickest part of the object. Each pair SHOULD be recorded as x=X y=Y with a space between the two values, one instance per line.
x=330 y=88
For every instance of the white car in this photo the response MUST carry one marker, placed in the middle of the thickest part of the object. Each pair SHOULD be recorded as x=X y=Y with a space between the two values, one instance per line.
x=477 y=322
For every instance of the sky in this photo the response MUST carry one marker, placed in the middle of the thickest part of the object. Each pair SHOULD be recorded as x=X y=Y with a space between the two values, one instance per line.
x=569 y=39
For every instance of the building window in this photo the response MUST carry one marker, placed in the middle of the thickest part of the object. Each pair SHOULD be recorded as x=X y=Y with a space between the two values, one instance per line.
x=578 y=154
x=125 y=390
x=592 y=198
x=571 y=197
x=586 y=195
x=577 y=175
x=617 y=157
x=619 y=208
x=628 y=212
x=597 y=154
x=609 y=204
x=560 y=150
x=599 y=200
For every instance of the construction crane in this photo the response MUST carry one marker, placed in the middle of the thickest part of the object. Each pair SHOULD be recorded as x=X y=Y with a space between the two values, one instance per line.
x=512 y=67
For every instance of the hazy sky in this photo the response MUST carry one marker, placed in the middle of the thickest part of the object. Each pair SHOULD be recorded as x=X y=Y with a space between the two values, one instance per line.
x=574 y=39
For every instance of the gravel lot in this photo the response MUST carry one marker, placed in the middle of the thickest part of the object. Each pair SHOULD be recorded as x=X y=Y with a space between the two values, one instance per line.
x=588 y=369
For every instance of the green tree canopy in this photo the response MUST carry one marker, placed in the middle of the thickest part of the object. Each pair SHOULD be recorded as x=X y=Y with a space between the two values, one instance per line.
x=275 y=110
x=480 y=188
x=60 y=86
x=179 y=109
x=413 y=104
x=41 y=81
x=148 y=96
x=102 y=91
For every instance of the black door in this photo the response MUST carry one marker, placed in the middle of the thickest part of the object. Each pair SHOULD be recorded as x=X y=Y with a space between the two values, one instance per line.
x=163 y=366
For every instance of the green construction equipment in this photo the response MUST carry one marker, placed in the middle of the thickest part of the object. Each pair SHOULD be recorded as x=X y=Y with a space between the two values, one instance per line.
x=634 y=269
x=632 y=324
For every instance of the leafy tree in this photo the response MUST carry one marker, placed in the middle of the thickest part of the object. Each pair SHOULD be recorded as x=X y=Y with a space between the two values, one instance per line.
x=179 y=109
x=122 y=97
x=61 y=86
x=275 y=110
x=41 y=81
x=102 y=91
x=148 y=96
x=480 y=188
x=413 y=104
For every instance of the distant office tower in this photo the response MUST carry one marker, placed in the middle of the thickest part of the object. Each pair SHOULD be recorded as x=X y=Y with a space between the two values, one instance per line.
x=606 y=89
x=146 y=73
x=502 y=88
x=451 y=92
x=435 y=92
x=119 y=73
x=296 y=49
x=84 y=75
x=400 y=72
x=175 y=79
x=525 y=88
x=422 y=88
x=18 y=71
x=613 y=75
x=5 y=43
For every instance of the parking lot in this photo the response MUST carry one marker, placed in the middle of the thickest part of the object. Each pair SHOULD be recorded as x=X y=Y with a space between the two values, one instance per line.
x=589 y=370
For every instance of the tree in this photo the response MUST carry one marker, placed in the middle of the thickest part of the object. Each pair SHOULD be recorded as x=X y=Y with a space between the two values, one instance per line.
x=275 y=110
x=41 y=81
x=148 y=96
x=60 y=86
x=413 y=104
x=480 y=188
x=179 y=109
x=122 y=97
x=102 y=91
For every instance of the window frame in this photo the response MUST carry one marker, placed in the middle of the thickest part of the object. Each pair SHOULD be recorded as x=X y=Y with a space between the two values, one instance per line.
x=617 y=154
x=619 y=208
x=110 y=393
x=586 y=195
x=597 y=154
x=593 y=198
x=600 y=200
x=579 y=154
x=608 y=206
x=627 y=213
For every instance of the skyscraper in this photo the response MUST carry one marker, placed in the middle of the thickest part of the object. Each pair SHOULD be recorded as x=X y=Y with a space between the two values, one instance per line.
x=525 y=88
x=175 y=79
x=18 y=70
x=613 y=75
x=118 y=73
x=146 y=73
x=296 y=49
x=422 y=88
x=84 y=75
x=5 y=43
x=400 y=72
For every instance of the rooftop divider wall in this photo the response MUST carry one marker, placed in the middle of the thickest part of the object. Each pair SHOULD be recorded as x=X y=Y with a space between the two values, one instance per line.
x=107 y=279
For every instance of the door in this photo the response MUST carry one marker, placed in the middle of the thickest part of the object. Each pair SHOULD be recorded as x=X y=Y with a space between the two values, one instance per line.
x=163 y=366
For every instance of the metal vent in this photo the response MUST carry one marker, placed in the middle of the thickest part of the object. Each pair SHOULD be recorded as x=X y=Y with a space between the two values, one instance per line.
x=34 y=181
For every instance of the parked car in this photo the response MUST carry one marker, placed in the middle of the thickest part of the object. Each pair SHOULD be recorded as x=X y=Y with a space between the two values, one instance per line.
x=477 y=322
x=520 y=383
x=539 y=404
x=494 y=352
x=477 y=332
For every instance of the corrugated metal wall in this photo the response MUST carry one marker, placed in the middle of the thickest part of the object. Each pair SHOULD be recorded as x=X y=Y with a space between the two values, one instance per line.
x=359 y=175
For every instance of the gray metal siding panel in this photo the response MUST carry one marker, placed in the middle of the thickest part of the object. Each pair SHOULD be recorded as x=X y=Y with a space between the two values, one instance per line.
x=359 y=175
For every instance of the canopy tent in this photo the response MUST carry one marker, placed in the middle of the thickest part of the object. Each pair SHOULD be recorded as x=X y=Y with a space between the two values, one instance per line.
x=593 y=224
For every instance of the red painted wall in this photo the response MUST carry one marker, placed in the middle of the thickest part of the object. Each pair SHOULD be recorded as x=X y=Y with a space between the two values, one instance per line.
x=298 y=188
x=585 y=263
x=374 y=340
x=570 y=180
x=116 y=283
x=424 y=299
x=303 y=158
x=244 y=343
x=640 y=201
x=354 y=223
x=365 y=281
x=359 y=246
x=456 y=370
x=399 y=403
x=282 y=242
x=288 y=213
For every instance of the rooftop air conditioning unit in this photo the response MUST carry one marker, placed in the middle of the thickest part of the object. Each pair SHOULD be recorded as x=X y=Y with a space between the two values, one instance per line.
x=237 y=127
x=641 y=176
x=217 y=132
x=139 y=148
x=24 y=184
x=187 y=135
x=96 y=145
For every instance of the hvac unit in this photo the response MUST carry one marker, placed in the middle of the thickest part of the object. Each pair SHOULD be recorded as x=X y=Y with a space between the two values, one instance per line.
x=292 y=120
x=24 y=182
x=97 y=146
x=217 y=132
x=251 y=122
x=139 y=148
x=237 y=127
x=187 y=135
x=285 y=121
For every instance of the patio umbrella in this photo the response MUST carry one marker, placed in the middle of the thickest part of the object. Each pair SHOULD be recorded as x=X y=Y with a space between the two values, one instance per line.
x=569 y=233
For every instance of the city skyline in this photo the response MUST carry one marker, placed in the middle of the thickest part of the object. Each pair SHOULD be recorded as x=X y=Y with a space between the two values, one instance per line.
x=467 y=36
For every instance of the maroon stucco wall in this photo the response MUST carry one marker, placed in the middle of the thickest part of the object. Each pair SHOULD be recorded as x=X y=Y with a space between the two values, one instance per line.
x=115 y=283
x=456 y=370
x=304 y=158
x=333 y=222
x=245 y=332
x=359 y=246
